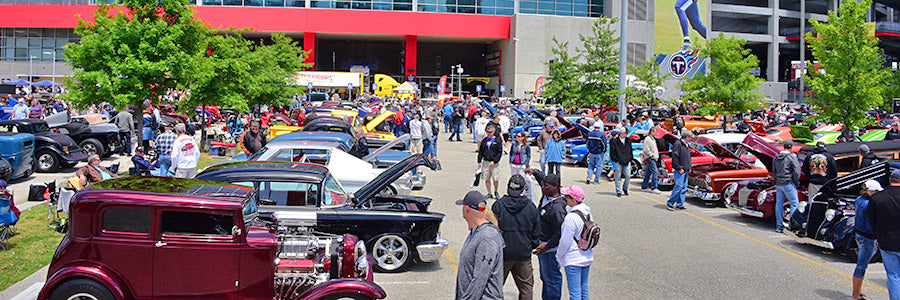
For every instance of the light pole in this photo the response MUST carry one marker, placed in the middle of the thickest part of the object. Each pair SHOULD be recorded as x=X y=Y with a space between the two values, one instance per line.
x=459 y=72
x=53 y=75
x=622 y=57
x=30 y=71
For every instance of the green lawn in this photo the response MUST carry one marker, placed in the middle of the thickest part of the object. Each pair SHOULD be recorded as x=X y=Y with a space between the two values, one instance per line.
x=206 y=159
x=30 y=249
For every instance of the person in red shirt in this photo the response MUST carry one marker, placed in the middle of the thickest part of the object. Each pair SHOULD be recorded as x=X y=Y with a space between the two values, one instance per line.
x=470 y=113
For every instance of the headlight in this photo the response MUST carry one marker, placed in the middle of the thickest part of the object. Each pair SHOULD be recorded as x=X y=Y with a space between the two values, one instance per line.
x=360 y=249
x=829 y=214
x=706 y=178
x=802 y=207
x=362 y=266
x=761 y=198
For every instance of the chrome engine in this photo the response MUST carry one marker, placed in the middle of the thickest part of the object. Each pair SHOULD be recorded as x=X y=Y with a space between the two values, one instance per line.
x=304 y=258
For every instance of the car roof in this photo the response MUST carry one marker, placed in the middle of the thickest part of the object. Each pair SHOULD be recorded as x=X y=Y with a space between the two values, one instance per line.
x=23 y=121
x=313 y=136
x=266 y=170
x=188 y=191
x=302 y=144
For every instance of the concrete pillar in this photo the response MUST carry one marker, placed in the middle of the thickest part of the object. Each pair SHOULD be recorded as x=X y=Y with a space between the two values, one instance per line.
x=411 y=55
x=309 y=44
x=772 y=68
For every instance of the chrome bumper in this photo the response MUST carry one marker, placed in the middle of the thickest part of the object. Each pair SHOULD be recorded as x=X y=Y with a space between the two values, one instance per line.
x=705 y=196
x=665 y=180
x=745 y=211
x=809 y=241
x=431 y=252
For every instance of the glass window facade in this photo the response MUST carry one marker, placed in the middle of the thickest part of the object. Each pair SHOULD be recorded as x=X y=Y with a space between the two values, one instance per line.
x=578 y=8
x=18 y=44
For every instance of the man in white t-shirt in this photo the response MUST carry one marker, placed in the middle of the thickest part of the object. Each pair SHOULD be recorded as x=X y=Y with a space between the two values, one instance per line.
x=504 y=126
x=185 y=154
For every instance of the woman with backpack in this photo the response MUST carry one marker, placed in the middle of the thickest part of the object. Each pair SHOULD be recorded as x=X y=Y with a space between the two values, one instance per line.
x=574 y=253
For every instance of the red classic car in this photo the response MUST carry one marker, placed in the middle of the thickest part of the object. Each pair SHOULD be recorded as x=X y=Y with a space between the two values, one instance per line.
x=755 y=197
x=665 y=175
x=172 y=238
x=708 y=181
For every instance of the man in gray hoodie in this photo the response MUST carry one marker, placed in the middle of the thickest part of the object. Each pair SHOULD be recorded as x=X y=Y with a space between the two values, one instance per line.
x=480 y=274
x=787 y=178
x=519 y=220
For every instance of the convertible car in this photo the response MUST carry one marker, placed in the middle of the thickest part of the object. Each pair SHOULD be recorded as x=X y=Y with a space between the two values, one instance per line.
x=397 y=229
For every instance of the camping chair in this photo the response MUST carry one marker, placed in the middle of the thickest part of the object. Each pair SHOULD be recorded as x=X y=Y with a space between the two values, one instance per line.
x=8 y=219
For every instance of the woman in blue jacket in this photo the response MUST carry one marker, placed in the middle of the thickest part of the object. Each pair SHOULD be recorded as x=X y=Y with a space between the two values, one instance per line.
x=556 y=150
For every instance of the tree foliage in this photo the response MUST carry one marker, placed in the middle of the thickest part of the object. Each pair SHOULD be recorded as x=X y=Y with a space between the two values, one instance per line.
x=600 y=64
x=563 y=83
x=271 y=66
x=127 y=56
x=649 y=78
x=728 y=86
x=853 y=81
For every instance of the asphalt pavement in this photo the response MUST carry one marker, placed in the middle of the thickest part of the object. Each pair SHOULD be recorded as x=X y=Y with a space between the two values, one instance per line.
x=646 y=251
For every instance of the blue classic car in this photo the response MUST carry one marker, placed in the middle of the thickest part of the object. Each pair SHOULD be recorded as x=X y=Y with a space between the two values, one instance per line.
x=51 y=150
x=16 y=155
x=577 y=154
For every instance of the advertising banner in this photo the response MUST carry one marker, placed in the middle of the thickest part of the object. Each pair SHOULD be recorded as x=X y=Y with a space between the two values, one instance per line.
x=539 y=86
x=679 y=25
x=332 y=80
x=442 y=85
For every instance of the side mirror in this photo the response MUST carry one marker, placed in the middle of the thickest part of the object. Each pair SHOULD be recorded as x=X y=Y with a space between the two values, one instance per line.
x=266 y=202
x=235 y=231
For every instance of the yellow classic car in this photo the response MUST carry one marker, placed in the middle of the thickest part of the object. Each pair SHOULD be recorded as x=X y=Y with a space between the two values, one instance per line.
x=373 y=131
x=351 y=116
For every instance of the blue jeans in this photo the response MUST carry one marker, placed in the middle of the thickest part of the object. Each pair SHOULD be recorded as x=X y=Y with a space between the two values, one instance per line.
x=577 y=281
x=434 y=145
x=164 y=162
x=782 y=191
x=455 y=132
x=595 y=167
x=650 y=174
x=447 y=121
x=679 y=191
x=543 y=161
x=892 y=267
x=866 y=252
x=550 y=276
x=622 y=171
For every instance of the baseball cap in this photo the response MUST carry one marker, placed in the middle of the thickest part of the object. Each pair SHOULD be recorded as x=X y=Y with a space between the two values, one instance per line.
x=574 y=191
x=820 y=145
x=614 y=132
x=516 y=186
x=552 y=179
x=2 y=183
x=863 y=148
x=472 y=200
x=895 y=176
x=788 y=144
x=872 y=185
x=598 y=124
x=551 y=124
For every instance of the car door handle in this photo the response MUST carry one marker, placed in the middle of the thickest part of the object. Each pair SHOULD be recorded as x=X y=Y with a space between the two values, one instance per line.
x=160 y=244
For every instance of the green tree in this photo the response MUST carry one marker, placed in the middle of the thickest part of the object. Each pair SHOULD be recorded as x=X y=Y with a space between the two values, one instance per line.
x=648 y=78
x=728 y=87
x=853 y=81
x=134 y=54
x=600 y=66
x=563 y=83
x=271 y=67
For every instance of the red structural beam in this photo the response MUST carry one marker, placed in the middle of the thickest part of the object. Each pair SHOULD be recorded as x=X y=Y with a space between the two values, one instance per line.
x=289 y=19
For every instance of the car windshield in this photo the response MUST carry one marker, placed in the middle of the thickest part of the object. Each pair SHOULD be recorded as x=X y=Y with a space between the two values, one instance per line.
x=39 y=127
x=259 y=153
x=334 y=193
x=249 y=208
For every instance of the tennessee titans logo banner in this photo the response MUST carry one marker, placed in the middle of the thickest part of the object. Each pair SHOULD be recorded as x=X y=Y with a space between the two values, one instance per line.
x=685 y=63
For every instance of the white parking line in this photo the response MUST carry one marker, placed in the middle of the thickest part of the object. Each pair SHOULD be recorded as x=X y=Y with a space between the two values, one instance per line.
x=30 y=293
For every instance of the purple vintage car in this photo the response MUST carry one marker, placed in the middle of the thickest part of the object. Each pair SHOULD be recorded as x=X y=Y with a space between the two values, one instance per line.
x=154 y=238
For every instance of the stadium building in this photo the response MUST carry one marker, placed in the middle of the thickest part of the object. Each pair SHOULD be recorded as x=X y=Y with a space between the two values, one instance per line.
x=500 y=44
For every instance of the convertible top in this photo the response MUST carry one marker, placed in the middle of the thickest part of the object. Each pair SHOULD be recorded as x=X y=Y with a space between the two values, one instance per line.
x=853 y=147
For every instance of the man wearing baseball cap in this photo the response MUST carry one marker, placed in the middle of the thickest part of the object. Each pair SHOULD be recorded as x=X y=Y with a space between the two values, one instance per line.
x=552 y=210
x=517 y=217
x=596 y=144
x=480 y=274
x=865 y=237
x=883 y=213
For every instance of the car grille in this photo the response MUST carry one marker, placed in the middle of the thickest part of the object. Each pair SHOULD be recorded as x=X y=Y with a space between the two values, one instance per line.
x=697 y=183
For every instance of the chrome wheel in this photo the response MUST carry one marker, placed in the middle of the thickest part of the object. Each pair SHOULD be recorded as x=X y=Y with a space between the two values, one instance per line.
x=46 y=161
x=82 y=296
x=391 y=253
x=89 y=148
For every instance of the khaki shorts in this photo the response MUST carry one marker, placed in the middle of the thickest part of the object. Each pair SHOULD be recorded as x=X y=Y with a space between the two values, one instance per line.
x=490 y=173
x=415 y=143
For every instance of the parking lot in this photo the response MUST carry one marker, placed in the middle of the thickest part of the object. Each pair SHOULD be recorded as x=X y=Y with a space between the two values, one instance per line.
x=646 y=251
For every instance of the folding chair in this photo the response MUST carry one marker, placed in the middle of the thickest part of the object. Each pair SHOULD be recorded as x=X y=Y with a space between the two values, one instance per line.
x=8 y=218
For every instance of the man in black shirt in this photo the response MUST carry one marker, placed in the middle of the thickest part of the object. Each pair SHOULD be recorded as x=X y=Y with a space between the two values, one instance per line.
x=490 y=150
x=884 y=216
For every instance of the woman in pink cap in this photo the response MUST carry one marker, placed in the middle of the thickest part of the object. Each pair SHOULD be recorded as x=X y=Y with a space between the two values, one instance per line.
x=575 y=262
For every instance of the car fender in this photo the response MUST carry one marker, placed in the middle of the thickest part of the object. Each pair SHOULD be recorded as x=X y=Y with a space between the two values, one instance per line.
x=111 y=281
x=843 y=229
x=344 y=286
